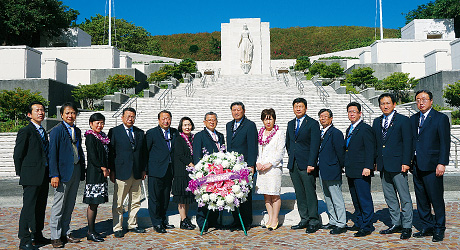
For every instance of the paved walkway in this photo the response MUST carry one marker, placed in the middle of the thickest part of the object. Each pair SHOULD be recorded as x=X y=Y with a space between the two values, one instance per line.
x=258 y=238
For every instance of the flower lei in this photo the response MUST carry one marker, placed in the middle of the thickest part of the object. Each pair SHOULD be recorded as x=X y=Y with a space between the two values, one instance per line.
x=269 y=137
x=220 y=181
x=100 y=136
x=188 y=141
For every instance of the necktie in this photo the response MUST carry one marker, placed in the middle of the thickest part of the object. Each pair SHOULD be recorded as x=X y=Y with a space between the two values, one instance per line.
x=74 y=145
x=322 y=134
x=297 y=127
x=235 y=127
x=131 y=137
x=215 y=139
x=422 y=119
x=167 y=139
x=385 y=127
x=44 y=140
x=349 y=134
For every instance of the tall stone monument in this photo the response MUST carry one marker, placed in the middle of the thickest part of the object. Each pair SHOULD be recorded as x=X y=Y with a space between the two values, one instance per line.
x=245 y=47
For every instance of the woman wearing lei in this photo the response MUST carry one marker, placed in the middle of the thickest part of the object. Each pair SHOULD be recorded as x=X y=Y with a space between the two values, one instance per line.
x=269 y=163
x=183 y=158
x=96 y=188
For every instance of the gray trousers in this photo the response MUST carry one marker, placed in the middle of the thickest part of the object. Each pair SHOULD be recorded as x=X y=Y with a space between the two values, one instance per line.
x=305 y=192
x=394 y=185
x=64 y=201
x=332 y=190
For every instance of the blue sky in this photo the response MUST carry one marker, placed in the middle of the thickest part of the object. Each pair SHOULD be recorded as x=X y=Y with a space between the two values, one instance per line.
x=181 y=16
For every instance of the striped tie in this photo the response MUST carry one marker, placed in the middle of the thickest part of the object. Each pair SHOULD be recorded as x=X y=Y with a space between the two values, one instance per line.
x=385 y=128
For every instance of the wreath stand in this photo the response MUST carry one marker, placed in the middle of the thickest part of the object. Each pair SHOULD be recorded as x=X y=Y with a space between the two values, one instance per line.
x=239 y=215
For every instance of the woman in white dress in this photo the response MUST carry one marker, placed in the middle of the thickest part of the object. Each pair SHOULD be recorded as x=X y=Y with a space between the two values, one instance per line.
x=269 y=163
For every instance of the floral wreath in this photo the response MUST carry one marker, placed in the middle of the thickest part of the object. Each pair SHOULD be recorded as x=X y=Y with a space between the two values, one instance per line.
x=220 y=181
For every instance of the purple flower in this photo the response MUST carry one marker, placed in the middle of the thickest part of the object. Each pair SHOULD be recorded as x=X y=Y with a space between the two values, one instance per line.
x=190 y=169
x=236 y=202
x=201 y=204
x=205 y=152
x=221 y=208
x=241 y=158
x=192 y=185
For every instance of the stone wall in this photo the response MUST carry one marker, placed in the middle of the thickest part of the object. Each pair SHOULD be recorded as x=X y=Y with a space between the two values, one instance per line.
x=381 y=70
x=101 y=75
x=436 y=84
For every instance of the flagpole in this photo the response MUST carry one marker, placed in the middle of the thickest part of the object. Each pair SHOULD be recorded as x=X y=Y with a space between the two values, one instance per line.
x=110 y=22
x=381 y=21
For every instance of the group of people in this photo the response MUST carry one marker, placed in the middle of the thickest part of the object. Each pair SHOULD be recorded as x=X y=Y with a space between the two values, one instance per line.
x=393 y=145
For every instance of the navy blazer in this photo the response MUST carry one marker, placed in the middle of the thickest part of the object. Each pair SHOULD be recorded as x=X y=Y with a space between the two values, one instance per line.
x=61 y=153
x=123 y=159
x=304 y=147
x=244 y=141
x=331 y=155
x=432 y=144
x=360 y=151
x=203 y=141
x=30 y=158
x=396 y=149
x=159 y=155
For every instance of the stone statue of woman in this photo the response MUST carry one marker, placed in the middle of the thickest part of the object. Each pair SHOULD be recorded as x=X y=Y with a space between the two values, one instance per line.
x=246 y=50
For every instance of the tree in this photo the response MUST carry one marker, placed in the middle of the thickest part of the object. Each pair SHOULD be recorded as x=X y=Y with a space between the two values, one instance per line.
x=452 y=94
x=332 y=71
x=23 y=22
x=14 y=103
x=399 y=84
x=215 y=46
x=361 y=77
x=317 y=68
x=193 y=48
x=121 y=82
x=89 y=93
x=125 y=35
x=302 y=63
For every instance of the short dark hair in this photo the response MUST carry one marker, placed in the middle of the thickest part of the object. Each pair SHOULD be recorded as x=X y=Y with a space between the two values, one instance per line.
x=354 y=104
x=325 y=110
x=393 y=98
x=299 y=100
x=210 y=113
x=164 y=111
x=182 y=121
x=128 y=109
x=237 y=104
x=96 y=117
x=268 y=112
x=70 y=105
x=424 y=91
x=29 y=108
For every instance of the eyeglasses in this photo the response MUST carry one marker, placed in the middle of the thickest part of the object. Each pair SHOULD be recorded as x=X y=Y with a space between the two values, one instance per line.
x=353 y=112
x=422 y=100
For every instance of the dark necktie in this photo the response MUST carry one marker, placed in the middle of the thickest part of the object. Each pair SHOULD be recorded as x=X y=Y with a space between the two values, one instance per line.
x=168 y=141
x=44 y=140
x=385 y=128
x=131 y=137
x=297 y=127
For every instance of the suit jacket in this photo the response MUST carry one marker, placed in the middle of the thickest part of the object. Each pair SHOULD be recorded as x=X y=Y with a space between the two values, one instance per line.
x=432 y=143
x=244 y=140
x=61 y=153
x=182 y=157
x=30 y=158
x=159 y=155
x=203 y=140
x=360 y=151
x=396 y=149
x=123 y=159
x=304 y=147
x=97 y=158
x=331 y=155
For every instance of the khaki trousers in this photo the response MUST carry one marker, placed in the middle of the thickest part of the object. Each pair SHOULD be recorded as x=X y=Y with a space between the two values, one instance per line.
x=132 y=187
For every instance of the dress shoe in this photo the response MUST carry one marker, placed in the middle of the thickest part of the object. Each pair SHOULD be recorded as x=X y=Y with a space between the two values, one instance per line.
x=93 y=237
x=185 y=225
x=391 y=230
x=118 y=234
x=137 y=230
x=189 y=222
x=39 y=240
x=353 y=228
x=406 y=233
x=424 y=232
x=271 y=228
x=168 y=226
x=438 y=236
x=328 y=226
x=72 y=239
x=301 y=225
x=362 y=233
x=57 y=243
x=27 y=246
x=159 y=229
x=312 y=229
x=338 y=230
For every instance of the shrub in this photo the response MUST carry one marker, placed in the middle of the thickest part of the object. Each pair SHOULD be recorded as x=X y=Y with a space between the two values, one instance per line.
x=12 y=126
x=332 y=71
x=317 y=68
x=193 y=48
x=185 y=66
x=302 y=63
x=89 y=93
x=14 y=103
x=361 y=77
x=215 y=46
x=399 y=84
x=122 y=82
x=452 y=94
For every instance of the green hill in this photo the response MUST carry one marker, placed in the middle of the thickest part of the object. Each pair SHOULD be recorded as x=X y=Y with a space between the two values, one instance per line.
x=286 y=43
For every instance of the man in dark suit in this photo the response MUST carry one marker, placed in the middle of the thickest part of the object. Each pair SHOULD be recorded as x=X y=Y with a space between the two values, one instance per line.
x=302 y=144
x=207 y=141
x=31 y=165
x=431 y=141
x=394 y=154
x=127 y=164
x=67 y=169
x=242 y=138
x=160 y=141
x=359 y=166
x=330 y=164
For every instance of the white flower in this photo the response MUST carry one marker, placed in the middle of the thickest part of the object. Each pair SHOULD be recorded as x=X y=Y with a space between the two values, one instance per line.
x=212 y=207
x=196 y=192
x=205 y=197
x=213 y=197
x=243 y=182
x=220 y=203
x=198 y=175
x=217 y=161
x=237 y=167
x=225 y=163
x=236 y=189
x=229 y=199
x=220 y=155
x=239 y=195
